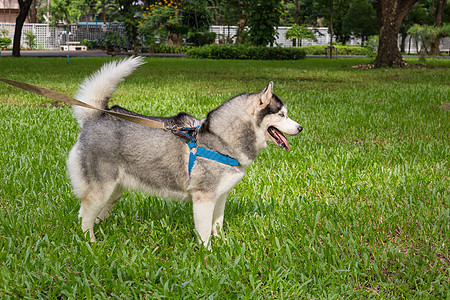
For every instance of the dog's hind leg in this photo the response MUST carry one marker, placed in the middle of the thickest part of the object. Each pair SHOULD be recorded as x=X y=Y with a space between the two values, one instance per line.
x=93 y=201
x=115 y=196
x=219 y=210
x=88 y=213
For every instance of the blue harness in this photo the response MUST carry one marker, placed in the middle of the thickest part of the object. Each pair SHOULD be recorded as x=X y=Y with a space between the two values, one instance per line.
x=189 y=136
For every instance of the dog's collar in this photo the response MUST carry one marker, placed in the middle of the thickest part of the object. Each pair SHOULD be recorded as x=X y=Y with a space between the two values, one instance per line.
x=189 y=135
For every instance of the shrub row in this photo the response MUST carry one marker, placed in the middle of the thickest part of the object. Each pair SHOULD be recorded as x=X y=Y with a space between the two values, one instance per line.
x=166 y=48
x=341 y=50
x=238 y=51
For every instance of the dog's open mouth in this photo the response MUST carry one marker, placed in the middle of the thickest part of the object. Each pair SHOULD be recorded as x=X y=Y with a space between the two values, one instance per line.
x=278 y=138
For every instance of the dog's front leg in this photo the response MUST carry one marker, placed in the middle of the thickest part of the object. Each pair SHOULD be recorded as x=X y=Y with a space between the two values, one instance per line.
x=203 y=206
x=219 y=210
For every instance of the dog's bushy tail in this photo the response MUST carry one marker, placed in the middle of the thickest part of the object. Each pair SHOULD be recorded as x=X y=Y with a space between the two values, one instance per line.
x=98 y=88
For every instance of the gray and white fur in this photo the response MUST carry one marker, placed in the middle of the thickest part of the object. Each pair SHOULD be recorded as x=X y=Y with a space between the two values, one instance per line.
x=112 y=154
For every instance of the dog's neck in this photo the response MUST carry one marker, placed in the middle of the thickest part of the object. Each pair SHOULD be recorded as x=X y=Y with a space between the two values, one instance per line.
x=231 y=134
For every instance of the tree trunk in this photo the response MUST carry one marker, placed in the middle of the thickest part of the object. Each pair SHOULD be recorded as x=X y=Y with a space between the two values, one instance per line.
x=403 y=43
x=331 y=29
x=297 y=11
x=240 y=30
x=104 y=12
x=23 y=13
x=33 y=13
x=390 y=15
x=87 y=19
x=438 y=23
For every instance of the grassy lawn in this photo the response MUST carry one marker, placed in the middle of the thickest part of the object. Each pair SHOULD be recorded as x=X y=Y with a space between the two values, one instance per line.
x=358 y=208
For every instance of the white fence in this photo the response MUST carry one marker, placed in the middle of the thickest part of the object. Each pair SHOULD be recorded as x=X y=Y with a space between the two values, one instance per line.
x=323 y=38
x=52 y=37
x=226 y=33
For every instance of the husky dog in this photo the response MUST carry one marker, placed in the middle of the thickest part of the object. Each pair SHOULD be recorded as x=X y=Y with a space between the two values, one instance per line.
x=112 y=154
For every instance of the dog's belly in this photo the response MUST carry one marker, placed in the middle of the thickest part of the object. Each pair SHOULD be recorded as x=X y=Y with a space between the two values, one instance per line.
x=155 y=188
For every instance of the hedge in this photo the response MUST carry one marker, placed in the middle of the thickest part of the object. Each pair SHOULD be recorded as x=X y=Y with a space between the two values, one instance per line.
x=166 y=48
x=238 y=51
x=341 y=50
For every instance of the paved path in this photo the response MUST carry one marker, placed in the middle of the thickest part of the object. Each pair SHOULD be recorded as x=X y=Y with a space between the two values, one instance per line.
x=96 y=53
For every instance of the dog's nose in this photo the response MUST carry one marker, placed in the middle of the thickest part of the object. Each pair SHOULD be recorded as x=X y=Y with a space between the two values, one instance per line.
x=300 y=128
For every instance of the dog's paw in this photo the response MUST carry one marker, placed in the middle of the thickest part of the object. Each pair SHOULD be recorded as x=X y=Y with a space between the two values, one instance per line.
x=218 y=233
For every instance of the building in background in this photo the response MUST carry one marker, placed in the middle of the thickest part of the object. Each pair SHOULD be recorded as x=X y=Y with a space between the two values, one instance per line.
x=9 y=9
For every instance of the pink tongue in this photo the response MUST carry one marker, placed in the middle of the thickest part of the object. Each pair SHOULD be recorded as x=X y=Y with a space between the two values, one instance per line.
x=283 y=140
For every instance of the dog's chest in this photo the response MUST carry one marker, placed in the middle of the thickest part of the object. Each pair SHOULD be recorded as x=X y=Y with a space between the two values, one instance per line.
x=229 y=181
x=216 y=180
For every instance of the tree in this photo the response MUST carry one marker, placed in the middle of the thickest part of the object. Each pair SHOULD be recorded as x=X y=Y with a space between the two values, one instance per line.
x=234 y=12
x=428 y=35
x=390 y=14
x=344 y=18
x=360 y=20
x=333 y=13
x=306 y=12
x=424 y=34
x=33 y=12
x=196 y=16
x=24 y=8
x=68 y=11
x=438 y=15
x=130 y=14
x=71 y=11
x=263 y=21
x=162 y=19
x=300 y=33
x=419 y=14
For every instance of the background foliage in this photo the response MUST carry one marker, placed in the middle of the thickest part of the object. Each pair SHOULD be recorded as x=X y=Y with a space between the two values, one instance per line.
x=300 y=33
x=176 y=22
x=246 y=52
x=264 y=18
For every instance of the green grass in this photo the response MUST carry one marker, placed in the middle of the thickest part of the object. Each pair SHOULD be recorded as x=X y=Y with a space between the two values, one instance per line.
x=359 y=208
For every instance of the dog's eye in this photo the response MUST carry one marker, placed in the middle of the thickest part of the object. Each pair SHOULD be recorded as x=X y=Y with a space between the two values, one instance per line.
x=282 y=115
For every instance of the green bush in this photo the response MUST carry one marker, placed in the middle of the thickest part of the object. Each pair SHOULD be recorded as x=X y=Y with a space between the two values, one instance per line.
x=341 y=50
x=351 y=50
x=166 y=48
x=246 y=52
x=30 y=38
x=201 y=38
x=372 y=45
x=4 y=42
x=114 y=41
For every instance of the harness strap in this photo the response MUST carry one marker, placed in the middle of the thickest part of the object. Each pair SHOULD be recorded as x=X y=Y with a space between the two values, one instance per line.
x=216 y=156
x=202 y=152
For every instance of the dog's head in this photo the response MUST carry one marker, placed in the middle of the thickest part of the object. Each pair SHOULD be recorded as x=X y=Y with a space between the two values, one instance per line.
x=272 y=119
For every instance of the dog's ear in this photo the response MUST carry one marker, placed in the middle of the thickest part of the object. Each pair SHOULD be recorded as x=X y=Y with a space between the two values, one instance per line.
x=266 y=95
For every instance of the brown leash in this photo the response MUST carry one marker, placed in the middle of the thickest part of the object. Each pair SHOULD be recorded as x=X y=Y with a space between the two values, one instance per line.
x=63 y=98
